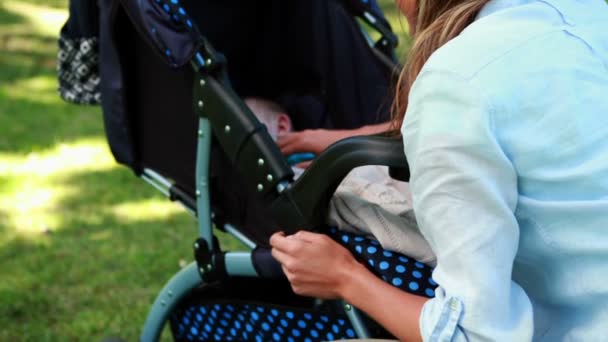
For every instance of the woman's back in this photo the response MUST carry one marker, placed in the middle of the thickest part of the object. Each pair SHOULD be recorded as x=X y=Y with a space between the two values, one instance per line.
x=539 y=70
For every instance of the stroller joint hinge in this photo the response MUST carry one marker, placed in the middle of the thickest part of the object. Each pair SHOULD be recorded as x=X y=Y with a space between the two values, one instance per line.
x=206 y=261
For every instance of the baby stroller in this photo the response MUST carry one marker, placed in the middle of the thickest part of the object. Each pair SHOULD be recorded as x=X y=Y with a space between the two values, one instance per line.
x=173 y=76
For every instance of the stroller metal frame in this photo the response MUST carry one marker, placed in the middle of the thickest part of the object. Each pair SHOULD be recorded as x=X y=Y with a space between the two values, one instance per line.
x=191 y=276
x=237 y=263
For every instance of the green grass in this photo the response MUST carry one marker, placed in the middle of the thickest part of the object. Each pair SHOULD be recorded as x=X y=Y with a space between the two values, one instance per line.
x=84 y=245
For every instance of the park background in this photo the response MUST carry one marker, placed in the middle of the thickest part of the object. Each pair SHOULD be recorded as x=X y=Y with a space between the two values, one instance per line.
x=84 y=245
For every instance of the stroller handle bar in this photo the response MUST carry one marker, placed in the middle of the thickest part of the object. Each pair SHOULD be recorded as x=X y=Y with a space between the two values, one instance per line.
x=295 y=205
x=304 y=204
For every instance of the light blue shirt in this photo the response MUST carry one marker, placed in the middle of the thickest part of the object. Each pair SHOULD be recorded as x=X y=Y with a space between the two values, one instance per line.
x=507 y=138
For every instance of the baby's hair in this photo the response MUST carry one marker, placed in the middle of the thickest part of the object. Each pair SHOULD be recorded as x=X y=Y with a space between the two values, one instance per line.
x=265 y=110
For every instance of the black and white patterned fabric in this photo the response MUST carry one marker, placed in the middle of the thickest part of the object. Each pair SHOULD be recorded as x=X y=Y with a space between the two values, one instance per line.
x=78 y=70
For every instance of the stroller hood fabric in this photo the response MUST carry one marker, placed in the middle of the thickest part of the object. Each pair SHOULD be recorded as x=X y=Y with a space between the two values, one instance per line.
x=309 y=55
x=167 y=27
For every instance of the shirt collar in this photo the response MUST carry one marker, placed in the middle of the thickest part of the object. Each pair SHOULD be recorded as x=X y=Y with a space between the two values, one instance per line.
x=570 y=10
x=497 y=5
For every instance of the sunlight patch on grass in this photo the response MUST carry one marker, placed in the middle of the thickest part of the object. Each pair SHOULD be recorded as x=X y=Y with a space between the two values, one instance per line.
x=31 y=190
x=146 y=210
x=44 y=20
x=89 y=154
x=34 y=211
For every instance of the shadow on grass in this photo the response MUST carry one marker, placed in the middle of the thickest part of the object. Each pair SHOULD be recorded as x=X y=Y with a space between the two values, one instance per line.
x=9 y=18
x=27 y=55
x=4 y=215
x=23 y=53
x=31 y=124
x=32 y=116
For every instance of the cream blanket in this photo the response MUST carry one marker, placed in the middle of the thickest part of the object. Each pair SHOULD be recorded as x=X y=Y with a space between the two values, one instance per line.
x=369 y=202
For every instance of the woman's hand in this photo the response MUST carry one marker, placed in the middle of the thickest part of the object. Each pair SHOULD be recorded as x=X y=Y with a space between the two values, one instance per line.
x=317 y=266
x=309 y=140
x=314 y=264
x=317 y=140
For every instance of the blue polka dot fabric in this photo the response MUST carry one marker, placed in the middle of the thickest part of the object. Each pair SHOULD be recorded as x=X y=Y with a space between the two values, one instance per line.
x=260 y=323
x=238 y=320
x=176 y=11
x=402 y=272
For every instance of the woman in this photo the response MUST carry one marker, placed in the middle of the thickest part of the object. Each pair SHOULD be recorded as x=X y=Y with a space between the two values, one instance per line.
x=506 y=131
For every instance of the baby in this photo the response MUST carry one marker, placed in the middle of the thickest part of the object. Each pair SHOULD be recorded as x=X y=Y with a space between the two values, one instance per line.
x=367 y=202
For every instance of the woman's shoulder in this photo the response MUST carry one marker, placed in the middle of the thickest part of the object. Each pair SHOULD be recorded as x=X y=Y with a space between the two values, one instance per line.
x=487 y=41
x=515 y=41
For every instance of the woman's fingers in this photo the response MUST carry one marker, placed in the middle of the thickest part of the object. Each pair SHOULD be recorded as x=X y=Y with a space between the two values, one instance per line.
x=290 y=143
x=279 y=241
x=283 y=258
x=313 y=263
x=291 y=244
x=308 y=236
x=286 y=244
x=276 y=237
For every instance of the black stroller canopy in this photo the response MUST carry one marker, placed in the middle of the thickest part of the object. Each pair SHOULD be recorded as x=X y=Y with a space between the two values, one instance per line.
x=167 y=27
x=308 y=55
x=170 y=29
x=274 y=48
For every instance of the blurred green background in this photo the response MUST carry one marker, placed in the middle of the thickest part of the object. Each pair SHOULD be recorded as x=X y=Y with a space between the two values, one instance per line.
x=84 y=245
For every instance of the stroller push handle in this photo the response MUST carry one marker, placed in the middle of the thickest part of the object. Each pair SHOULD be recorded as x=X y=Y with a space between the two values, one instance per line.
x=242 y=137
x=305 y=203
x=372 y=15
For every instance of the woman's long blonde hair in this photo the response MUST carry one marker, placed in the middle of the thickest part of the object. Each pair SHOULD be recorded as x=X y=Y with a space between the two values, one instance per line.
x=437 y=22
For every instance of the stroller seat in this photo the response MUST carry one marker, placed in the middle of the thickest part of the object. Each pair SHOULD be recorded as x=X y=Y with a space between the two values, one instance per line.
x=173 y=75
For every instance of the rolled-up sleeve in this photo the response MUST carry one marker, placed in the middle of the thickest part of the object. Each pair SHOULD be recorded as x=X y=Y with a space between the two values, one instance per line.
x=464 y=189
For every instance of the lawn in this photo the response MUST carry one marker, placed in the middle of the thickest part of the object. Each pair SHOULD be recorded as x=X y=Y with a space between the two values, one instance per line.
x=84 y=245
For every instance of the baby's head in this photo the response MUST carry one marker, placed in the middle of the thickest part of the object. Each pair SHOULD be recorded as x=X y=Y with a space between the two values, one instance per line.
x=270 y=114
